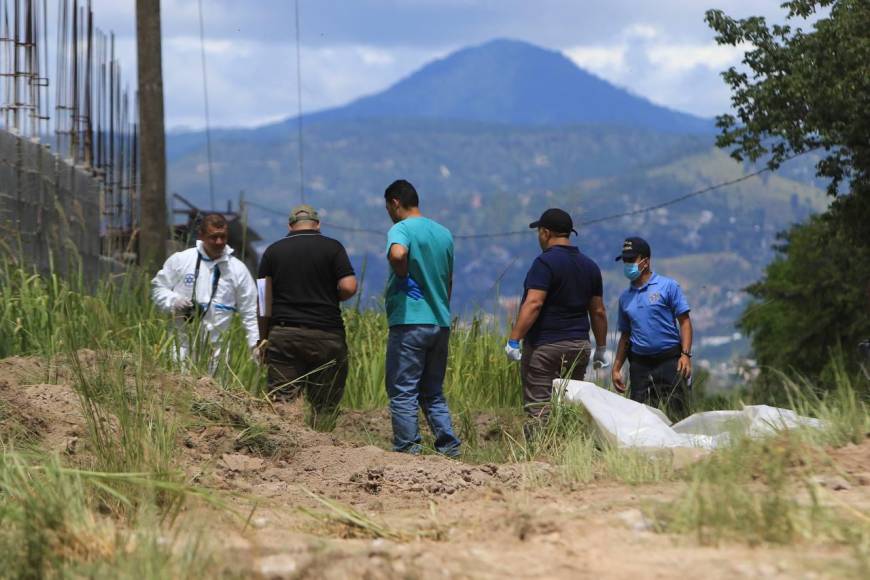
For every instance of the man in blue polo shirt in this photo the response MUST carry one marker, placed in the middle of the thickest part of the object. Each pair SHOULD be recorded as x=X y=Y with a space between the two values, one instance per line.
x=562 y=292
x=656 y=334
x=420 y=253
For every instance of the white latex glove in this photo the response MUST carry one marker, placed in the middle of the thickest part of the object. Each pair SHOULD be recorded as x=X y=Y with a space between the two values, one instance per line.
x=601 y=358
x=513 y=351
x=180 y=303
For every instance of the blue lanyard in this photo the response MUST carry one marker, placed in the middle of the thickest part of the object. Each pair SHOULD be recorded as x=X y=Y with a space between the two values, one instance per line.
x=216 y=276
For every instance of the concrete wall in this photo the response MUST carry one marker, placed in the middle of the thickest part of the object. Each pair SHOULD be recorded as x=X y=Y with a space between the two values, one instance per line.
x=49 y=210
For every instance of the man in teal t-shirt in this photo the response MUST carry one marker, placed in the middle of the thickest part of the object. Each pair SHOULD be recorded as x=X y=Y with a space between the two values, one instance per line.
x=420 y=253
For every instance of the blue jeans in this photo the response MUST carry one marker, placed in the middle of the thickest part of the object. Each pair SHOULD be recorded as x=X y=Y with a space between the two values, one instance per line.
x=416 y=365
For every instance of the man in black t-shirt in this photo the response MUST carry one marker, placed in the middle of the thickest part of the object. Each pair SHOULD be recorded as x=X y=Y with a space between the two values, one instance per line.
x=562 y=300
x=306 y=275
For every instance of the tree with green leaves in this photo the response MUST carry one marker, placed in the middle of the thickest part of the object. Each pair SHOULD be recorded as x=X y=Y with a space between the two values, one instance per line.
x=804 y=86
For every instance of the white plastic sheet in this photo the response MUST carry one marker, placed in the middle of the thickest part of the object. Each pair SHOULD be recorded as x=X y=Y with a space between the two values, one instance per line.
x=629 y=424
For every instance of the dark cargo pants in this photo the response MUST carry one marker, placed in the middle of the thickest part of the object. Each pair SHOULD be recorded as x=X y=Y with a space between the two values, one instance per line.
x=309 y=359
x=546 y=362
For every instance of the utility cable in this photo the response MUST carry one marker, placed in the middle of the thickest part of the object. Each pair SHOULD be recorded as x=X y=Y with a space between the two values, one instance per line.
x=594 y=221
x=327 y=224
x=676 y=199
x=207 y=116
x=299 y=104
x=647 y=209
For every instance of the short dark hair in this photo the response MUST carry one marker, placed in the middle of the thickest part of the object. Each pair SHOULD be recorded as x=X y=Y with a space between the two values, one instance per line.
x=214 y=220
x=404 y=192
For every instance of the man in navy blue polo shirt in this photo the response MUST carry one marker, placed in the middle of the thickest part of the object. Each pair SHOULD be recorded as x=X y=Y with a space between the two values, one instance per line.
x=562 y=295
x=656 y=333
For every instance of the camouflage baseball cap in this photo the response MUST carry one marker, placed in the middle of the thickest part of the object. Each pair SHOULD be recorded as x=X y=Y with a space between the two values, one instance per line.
x=303 y=212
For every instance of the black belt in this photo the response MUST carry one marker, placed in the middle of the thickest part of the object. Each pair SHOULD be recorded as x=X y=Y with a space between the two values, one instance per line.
x=287 y=324
x=654 y=359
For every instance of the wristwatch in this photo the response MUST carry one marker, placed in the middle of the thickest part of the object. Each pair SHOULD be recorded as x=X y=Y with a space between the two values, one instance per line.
x=684 y=353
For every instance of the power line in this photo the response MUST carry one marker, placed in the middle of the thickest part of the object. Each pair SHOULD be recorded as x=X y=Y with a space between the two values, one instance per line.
x=644 y=209
x=207 y=115
x=299 y=103
x=676 y=199
x=594 y=221
x=322 y=223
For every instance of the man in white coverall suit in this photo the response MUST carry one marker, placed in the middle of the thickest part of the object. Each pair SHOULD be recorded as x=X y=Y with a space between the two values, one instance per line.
x=203 y=286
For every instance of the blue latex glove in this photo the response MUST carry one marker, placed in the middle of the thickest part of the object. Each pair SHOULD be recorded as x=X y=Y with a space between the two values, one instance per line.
x=512 y=350
x=410 y=287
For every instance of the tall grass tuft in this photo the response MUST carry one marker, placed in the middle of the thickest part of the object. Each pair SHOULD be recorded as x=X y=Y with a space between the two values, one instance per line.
x=758 y=492
x=54 y=525
x=50 y=315
x=129 y=430
x=765 y=491
x=842 y=405
x=59 y=520
x=478 y=374
x=45 y=516
x=742 y=493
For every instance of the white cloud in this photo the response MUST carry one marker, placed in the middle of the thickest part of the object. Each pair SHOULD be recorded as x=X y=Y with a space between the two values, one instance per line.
x=679 y=58
x=642 y=31
x=218 y=48
x=598 y=58
x=662 y=50
x=678 y=74
x=255 y=82
x=375 y=56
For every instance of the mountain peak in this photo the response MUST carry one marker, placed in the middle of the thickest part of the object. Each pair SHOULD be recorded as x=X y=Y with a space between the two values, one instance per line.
x=517 y=83
x=506 y=45
x=512 y=47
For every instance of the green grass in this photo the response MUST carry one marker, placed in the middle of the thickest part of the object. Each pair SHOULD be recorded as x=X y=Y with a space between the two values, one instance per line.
x=56 y=522
x=478 y=374
x=762 y=492
x=746 y=492
x=841 y=405
x=49 y=316
x=766 y=491
x=60 y=519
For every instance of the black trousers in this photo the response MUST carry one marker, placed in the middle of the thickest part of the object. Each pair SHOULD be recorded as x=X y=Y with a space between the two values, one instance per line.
x=310 y=360
x=654 y=381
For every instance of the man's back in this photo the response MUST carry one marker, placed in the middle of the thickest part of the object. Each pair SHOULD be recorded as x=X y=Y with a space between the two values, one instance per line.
x=571 y=280
x=305 y=268
x=430 y=264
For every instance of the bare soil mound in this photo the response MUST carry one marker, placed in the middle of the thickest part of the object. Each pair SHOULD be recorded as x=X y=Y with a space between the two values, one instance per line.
x=234 y=442
x=334 y=505
x=41 y=412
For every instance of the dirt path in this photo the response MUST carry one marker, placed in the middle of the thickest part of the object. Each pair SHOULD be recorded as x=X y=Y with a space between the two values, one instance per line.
x=439 y=518
x=598 y=532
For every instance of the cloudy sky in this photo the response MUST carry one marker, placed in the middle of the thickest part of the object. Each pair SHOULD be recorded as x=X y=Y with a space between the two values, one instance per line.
x=661 y=50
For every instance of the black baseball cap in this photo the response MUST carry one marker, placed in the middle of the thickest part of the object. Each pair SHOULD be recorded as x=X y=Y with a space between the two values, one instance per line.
x=556 y=220
x=634 y=247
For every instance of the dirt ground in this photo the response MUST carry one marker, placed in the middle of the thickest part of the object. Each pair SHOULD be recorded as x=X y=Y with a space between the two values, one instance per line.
x=438 y=518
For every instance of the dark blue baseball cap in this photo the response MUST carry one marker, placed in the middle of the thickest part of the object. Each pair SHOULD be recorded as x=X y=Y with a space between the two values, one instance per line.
x=556 y=220
x=634 y=247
